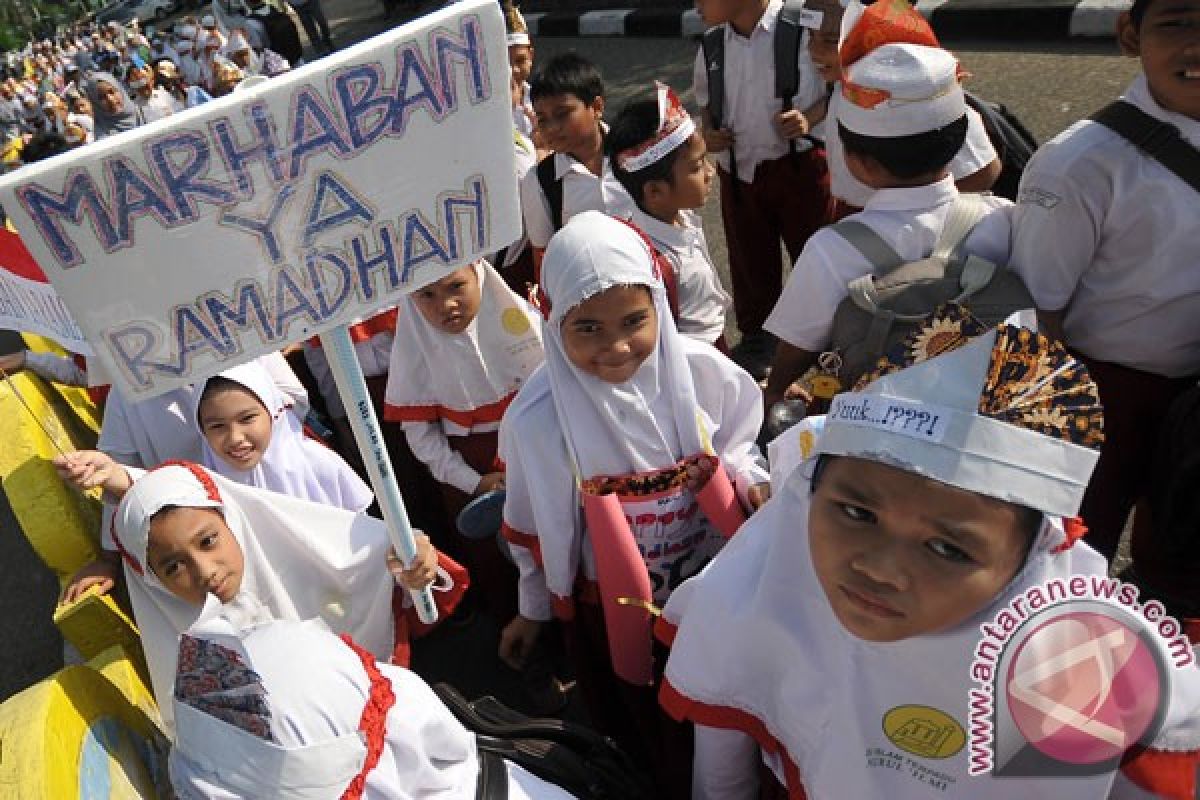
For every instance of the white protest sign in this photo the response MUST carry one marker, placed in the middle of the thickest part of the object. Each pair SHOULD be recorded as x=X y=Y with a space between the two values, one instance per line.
x=267 y=216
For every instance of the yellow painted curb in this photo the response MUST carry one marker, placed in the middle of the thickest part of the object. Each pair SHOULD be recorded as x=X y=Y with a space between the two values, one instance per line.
x=75 y=737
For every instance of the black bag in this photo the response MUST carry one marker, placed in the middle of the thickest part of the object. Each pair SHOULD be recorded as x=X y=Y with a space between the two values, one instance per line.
x=1174 y=501
x=1014 y=144
x=579 y=760
x=1158 y=139
x=282 y=36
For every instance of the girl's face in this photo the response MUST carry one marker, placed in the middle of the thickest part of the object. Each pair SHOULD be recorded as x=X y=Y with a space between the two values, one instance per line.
x=236 y=425
x=194 y=554
x=520 y=58
x=610 y=334
x=899 y=555
x=450 y=304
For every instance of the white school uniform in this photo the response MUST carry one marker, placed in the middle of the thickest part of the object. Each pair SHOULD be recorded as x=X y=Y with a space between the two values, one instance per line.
x=1109 y=235
x=302 y=560
x=526 y=160
x=910 y=220
x=703 y=302
x=523 y=113
x=373 y=347
x=566 y=425
x=313 y=732
x=293 y=464
x=975 y=154
x=581 y=191
x=443 y=384
x=750 y=101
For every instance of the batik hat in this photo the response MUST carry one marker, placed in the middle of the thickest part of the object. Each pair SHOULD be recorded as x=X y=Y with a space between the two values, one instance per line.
x=901 y=90
x=1005 y=413
x=514 y=23
x=867 y=27
x=675 y=126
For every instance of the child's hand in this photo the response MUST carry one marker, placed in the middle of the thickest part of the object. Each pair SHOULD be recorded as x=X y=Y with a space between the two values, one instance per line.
x=423 y=570
x=698 y=474
x=717 y=139
x=102 y=573
x=13 y=362
x=517 y=640
x=87 y=469
x=758 y=494
x=490 y=482
x=792 y=124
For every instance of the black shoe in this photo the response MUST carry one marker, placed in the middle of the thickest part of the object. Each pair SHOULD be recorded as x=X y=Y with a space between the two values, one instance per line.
x=754 y=354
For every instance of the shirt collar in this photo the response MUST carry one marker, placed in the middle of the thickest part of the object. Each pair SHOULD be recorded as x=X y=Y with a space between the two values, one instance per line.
x=1138 y=93
x=675 y=237
x=914 y=198
x=564 y=162
x=766 y=23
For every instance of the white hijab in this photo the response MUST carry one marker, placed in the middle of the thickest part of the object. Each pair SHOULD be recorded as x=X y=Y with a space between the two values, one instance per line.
x=649 y=422
x=465 y=379
x=293 y=464
x=759 y=640
x=302 y=560
x=316 y=749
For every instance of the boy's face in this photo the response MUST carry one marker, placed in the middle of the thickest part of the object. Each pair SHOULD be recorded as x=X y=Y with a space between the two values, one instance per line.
x=691 y=178
x=715 y=12
x=1168 y=44
x=898 y=555
x=567 y=124
x=610 y=334
x=520 y=58
x=194 y=553
x=823 y=43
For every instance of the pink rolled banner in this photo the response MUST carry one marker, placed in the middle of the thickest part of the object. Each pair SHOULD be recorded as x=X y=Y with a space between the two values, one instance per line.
x=719 y=501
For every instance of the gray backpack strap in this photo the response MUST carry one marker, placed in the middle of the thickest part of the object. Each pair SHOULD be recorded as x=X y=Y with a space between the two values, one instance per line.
x=964 y=215
x=713 y=45
x=873 y=247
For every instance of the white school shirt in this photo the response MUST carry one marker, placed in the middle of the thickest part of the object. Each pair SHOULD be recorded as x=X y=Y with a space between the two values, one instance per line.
x=1113 y=237
x=910 y=220
x=526 y=160
x=702 y=300
x=373 y=355
x=975 y=154
x=750 y=101
x=582 y=191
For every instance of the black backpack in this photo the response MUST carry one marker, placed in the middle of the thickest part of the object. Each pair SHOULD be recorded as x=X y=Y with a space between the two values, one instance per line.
x=581 y=761
x=1174 y=501
x=789 y=33
x=1013 y=142
x=282 y=36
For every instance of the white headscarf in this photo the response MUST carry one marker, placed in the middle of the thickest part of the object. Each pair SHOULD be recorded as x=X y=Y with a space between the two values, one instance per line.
x=302 y=560
x=293 y=464
x=649 y=422
x=465 y=379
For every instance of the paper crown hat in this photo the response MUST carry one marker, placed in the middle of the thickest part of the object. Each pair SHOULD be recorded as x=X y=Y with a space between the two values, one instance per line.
x=675 y=126
x=514 y=23
x=865 y=28
x=901 y=90
x=1005 y=413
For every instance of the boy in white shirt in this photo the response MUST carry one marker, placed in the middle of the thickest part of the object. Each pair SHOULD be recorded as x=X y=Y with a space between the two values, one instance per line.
x=660 y=159
x=901 y=123
x=1107 y=239
x=774 y=181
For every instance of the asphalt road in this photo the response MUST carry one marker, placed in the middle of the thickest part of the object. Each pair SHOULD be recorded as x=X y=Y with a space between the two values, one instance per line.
x=1049 y=86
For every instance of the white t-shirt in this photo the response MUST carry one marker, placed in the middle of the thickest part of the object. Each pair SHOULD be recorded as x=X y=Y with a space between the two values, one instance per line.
x=750 y=101
x=582 y=191
x=910 y=220
x=976 y=153
x=702 y=300
x=1113 y=237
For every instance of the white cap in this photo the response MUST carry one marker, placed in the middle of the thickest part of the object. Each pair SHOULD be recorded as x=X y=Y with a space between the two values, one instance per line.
x=208 y=21
x=237 y=43
x=901 y=90
x=1007 y=414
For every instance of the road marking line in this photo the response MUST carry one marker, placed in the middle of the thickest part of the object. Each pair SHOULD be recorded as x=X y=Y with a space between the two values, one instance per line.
x=692 y=23
x=1096 y=17
x=531 y=21
x=927 y=7
x=604 y=23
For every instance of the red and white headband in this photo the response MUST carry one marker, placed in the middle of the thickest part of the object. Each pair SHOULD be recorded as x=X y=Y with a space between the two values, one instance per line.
x=675 y=126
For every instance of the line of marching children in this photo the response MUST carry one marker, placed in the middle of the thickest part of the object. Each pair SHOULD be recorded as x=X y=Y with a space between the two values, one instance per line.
x=947 y=483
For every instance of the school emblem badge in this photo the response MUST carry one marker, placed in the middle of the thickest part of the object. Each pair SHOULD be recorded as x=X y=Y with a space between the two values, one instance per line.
x=515 y=321
x=924 y=731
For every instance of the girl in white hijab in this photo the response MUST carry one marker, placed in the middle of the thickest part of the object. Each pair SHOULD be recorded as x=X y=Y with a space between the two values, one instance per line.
x=188 y=536
x=251 y=436
x=854 y=635
x=250 y=727
x=629 y=418
x=464 y=345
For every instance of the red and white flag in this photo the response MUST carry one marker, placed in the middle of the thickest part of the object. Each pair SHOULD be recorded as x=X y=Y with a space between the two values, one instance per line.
x=28 y=302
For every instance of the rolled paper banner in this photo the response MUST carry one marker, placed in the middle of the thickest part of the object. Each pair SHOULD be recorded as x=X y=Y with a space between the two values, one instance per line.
x=622 y=575
x=719 y=502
